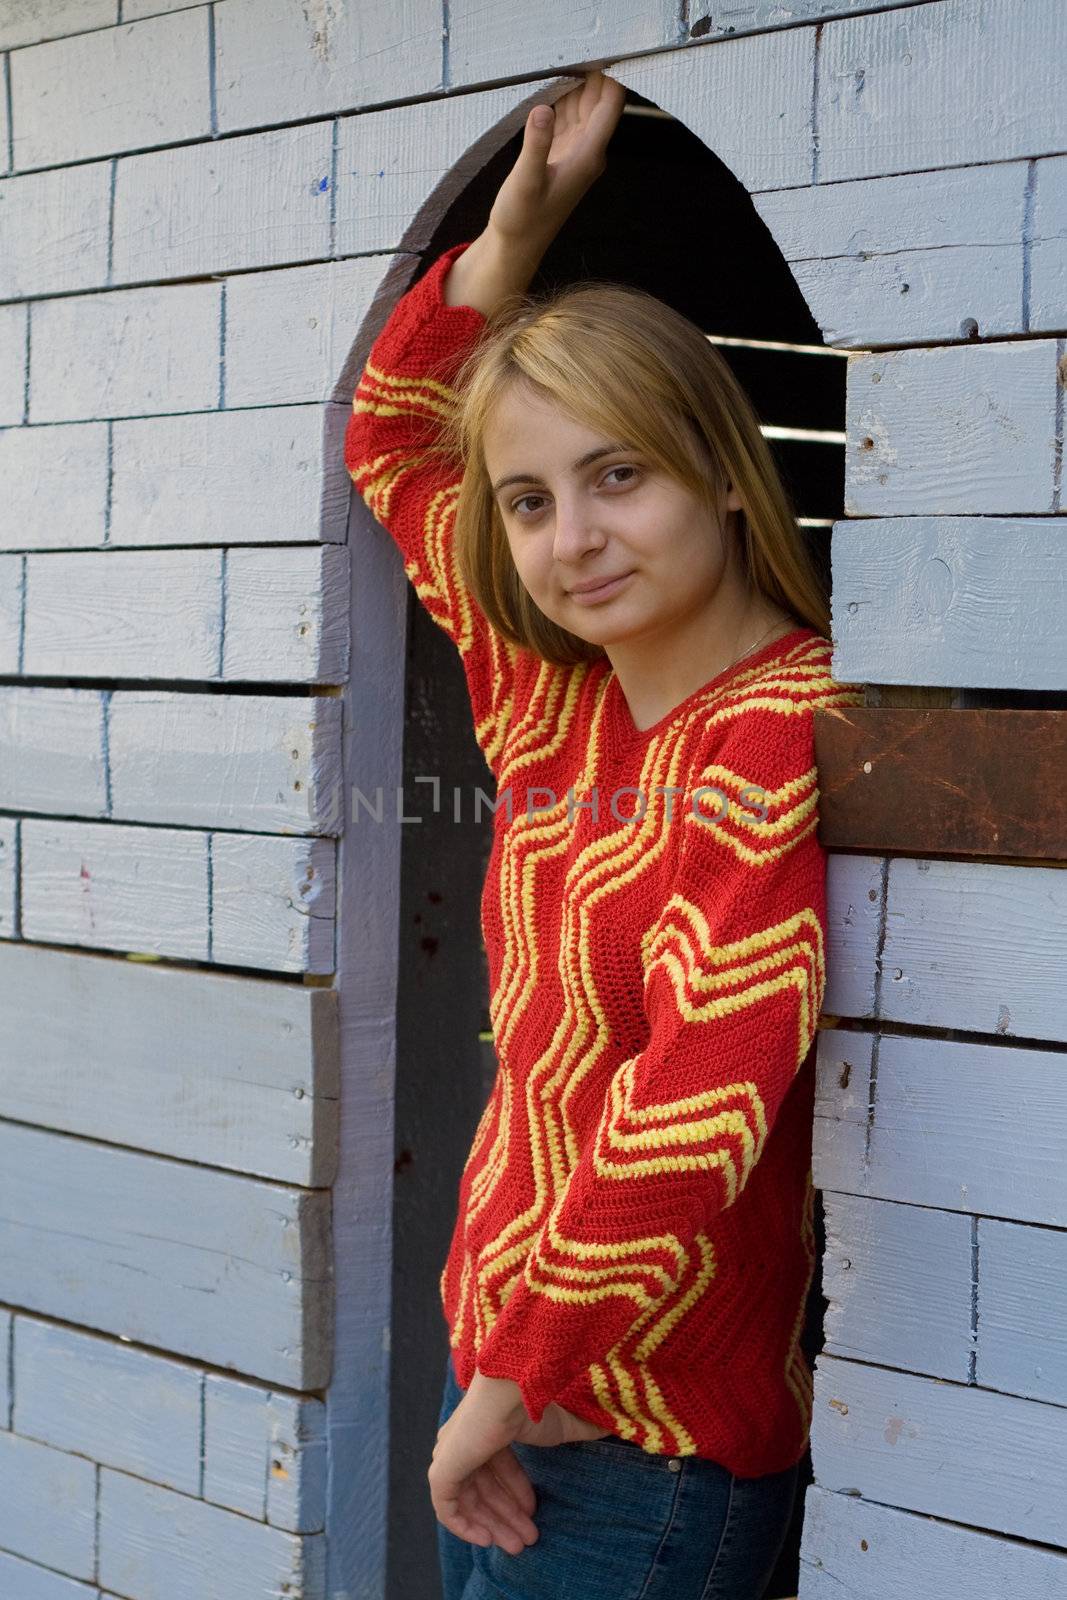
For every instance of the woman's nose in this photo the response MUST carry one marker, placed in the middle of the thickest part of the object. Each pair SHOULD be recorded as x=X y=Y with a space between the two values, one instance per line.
x=575 y=531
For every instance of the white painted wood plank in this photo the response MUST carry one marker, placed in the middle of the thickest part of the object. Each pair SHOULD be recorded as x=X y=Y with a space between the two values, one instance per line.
x=12 y=363
x=164 y=1546
x=97 y=1398
x=1022 y=1310
x=1048 y=254
x=54 y=230
x=398 y=171
x=9 y=845
x=966 y=428
x=975 y=1128
x=140 y=613
x=135 y=10
x=109 y=887
x=132 y=353
x=842 y=1100
x=965 y=602
x=265 y=1454
x=978 y=946
x=6 y=1323
x=266 y=763
x=854 y=904
x=230 y=1270
x=299 y=1462
x=5 y=108
x=11 y=584
x=30 y=1582
x=98 y=93
x=273 y=902
x=47 y=1509
x=224 y=205
x=31 y=21
x=289 y=333
x=278 y=62
x=52 y=751
x=979 y=206
x=851 y=1548
x=508 y=38
x=989 y=1460
x=123 y=614
x=235 y=1445
x=55 y=486
x=882 y=102
x=226 y=1071
x=769 y=74
x=898 y=1279
x=916 y=296
x=287 y=615
x=228 y=477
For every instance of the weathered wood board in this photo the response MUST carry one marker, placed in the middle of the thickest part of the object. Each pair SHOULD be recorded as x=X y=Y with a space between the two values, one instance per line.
x=943 y=1113
x=936 y=782
x=223 y=205
x=898 y=1279
x=854 y=908
x=947 y=1449
x=48 y=1507
x=97 y=93
x=230 y=1270
x=245 y=900
x=851 y=1547
x=960 y=428
x=135 y=352
x=976 y=946
x=968 y=602
x=233 y=1072
x=158 y=1543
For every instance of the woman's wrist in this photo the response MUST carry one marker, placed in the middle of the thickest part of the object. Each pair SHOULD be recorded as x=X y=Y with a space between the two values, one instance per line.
x=492 y=267
x=498 y=1399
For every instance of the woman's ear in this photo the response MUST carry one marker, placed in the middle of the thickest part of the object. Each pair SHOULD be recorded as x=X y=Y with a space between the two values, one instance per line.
x=733 y=499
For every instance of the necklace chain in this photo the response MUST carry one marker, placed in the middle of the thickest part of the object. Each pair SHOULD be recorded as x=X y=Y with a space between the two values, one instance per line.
x=752 y=646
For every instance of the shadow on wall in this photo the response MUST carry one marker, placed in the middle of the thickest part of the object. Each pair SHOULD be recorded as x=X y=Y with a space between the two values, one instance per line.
x=668 y=217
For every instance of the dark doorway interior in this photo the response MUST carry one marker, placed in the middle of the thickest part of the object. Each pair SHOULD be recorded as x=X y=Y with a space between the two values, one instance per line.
x=668 y=217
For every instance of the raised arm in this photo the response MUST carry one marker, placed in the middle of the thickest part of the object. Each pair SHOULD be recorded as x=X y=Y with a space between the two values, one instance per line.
x=396 y=461
x=392 y=445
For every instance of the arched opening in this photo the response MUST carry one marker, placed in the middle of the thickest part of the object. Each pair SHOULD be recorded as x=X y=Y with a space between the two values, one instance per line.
x=668 y=217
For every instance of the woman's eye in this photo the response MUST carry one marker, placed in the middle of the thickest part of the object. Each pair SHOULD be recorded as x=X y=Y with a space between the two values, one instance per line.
x=523 y=500
x=516 y=504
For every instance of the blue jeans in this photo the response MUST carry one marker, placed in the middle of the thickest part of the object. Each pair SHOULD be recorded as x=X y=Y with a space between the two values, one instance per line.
x=617 y=1523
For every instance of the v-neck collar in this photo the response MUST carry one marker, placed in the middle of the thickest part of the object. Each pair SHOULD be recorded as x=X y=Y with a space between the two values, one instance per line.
x=621 y=733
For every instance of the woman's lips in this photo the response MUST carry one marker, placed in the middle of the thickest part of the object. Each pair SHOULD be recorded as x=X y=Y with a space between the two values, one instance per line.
x=602 y=592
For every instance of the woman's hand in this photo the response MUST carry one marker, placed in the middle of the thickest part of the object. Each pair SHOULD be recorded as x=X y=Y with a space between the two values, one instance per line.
x=564 y=150
x=478 y=1487
x=559 y=159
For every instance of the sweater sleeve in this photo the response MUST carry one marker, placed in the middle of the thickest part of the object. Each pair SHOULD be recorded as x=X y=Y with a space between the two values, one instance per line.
x=395 y=459
x=733 y=983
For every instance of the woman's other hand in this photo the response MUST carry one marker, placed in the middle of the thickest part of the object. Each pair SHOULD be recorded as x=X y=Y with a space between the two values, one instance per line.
x=564 y=150
x=558 y=161
x=478 y=1487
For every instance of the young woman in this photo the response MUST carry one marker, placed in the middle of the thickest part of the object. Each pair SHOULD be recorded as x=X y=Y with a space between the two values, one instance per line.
x=585 y=502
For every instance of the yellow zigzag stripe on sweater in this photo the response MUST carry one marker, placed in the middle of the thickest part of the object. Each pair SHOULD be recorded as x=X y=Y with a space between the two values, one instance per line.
x=738 y=961
x=404 y=396
x=436 y=580
x=599 y=872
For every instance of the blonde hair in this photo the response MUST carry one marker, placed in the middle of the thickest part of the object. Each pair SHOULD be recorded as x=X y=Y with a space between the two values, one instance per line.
x=619 y=359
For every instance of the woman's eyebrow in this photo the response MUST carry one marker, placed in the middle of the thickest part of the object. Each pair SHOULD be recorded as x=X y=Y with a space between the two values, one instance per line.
x=576 y=466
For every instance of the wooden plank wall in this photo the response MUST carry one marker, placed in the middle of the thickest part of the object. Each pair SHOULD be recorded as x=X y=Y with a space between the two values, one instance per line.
x=194 y=1308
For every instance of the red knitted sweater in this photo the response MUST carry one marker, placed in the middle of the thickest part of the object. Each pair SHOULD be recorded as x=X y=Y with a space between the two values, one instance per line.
x=634 y=1234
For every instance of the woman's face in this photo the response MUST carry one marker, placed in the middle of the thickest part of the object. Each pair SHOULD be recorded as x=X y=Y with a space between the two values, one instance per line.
x=580 y=509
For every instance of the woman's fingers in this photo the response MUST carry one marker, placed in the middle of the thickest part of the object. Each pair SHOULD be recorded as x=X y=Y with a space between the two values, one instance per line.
x=510 y=1471
x=501 y=1500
